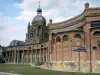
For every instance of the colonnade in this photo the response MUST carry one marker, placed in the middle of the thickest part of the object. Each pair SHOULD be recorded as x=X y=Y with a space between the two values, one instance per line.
x=27 y=56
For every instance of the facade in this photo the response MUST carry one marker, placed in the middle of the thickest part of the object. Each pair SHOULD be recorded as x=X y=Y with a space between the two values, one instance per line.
x=69 y=45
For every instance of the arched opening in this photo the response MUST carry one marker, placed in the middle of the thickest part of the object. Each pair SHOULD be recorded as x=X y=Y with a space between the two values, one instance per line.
x=65 y=37
x=18 y=43
x=39 y=30
x=58 y=39
x=94 y=48
x=97 y=33
x=31 y=35
x=78 y=36
x=34 y=32
x=53 y=38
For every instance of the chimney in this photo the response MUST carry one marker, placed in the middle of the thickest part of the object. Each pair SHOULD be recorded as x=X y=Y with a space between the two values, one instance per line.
x=50 y=21
x=86 y=5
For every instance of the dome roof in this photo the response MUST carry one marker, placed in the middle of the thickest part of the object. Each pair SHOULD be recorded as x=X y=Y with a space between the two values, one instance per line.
x=39 y=10
x=39 y=18
x=16 y=43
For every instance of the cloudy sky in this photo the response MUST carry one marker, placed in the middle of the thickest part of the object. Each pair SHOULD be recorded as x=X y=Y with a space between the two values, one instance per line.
x=15 y=14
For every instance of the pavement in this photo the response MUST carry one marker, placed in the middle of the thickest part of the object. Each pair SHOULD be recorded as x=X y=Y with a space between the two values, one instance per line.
x=3 y=73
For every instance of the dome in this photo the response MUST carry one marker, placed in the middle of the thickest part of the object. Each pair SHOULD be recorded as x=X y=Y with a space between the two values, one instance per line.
x=39 y=10
x=16 y=43
x=39 y=18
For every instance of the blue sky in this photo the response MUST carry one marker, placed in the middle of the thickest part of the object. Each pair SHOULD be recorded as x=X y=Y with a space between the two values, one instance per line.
x=15 y=15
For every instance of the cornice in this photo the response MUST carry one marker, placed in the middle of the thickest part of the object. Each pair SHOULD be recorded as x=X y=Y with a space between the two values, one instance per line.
x=90 y=12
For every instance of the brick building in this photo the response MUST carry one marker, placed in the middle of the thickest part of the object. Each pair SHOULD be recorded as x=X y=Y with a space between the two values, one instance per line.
x=69 y=45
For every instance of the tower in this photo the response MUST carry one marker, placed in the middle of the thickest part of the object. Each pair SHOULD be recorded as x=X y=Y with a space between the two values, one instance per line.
x=37 y=30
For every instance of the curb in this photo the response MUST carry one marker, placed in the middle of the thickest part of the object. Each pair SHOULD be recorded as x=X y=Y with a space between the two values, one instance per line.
x=8 y=73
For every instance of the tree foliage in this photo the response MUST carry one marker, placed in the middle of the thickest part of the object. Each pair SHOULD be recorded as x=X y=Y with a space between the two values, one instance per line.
x=98 y=43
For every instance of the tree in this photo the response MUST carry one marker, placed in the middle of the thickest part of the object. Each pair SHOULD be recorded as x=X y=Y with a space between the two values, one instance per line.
x=4 y=51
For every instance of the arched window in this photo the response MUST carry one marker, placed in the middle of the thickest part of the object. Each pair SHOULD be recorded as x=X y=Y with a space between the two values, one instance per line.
x=78 y=36
x=65 y=38
x=58 y=39
x=31 y=35
x=53 y=38
x=18 y=43
x=39 y=31
x=97 y=33
x=94 y=48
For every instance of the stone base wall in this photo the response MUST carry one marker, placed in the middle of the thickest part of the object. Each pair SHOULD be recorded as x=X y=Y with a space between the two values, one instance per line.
x=73 y=66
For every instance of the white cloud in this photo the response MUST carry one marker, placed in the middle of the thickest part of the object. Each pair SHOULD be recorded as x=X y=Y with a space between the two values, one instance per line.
x=26 y=15
x=10 y=30
x=1 y=13
x=62 y=9
x=58 y=10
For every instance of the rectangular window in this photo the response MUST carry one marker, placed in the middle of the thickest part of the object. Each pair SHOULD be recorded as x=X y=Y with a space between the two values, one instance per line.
x=95 y=24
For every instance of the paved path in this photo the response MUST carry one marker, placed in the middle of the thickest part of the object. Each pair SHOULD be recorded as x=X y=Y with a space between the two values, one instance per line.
x=2 y=73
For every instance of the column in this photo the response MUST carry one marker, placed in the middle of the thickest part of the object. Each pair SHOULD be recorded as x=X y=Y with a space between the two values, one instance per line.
x=35 y=55
x=46 y=55
x=31 y=56
x=6 y=57
x=9 y=56
x=12 y=56
x=50 y=42
x=40 y=55
x=23 y=57
x=15 y=56
x=27 y=56
x=43 y=55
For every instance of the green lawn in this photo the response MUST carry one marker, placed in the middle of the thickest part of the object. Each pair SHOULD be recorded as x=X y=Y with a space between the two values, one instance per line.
x=28 y=70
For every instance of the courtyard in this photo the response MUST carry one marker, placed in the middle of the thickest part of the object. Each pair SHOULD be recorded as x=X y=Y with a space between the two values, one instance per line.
x=28 y=70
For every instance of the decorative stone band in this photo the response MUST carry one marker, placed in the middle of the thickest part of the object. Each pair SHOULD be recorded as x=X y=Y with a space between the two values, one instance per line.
x=68 y=28
x=91 y=12
x=67 y=23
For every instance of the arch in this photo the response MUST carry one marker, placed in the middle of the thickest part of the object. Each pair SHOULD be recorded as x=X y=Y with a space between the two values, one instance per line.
x=39 y=30
x=94 y=48
x=18 y=43
x=58 y=39
x=97 y=33
x=65 y=37
x=78 y=36
x=53 y=38
x=31 y=35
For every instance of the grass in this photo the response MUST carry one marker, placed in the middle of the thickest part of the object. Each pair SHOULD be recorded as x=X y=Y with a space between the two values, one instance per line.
x=28 y=70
